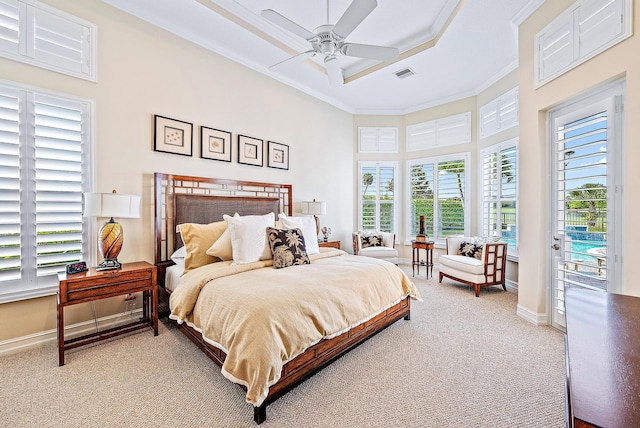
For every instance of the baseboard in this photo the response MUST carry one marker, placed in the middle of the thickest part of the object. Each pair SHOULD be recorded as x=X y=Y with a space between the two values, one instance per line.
x=532 y=317
x=511 y=284
x=36 y=340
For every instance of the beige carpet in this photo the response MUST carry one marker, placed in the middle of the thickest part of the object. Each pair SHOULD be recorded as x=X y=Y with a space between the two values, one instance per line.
x=461 y=361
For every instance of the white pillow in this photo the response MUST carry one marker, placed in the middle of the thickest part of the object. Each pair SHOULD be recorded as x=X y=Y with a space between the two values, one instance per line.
x=249 y=237
x=180 y=253
x=308 y=227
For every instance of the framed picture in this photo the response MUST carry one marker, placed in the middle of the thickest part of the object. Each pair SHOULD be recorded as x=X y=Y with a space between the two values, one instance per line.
x=278 y=156
x=250 y=150
x=173 y=136
x=216 y=144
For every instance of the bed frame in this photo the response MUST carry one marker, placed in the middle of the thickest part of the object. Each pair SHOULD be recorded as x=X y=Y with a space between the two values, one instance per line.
x=234 y=196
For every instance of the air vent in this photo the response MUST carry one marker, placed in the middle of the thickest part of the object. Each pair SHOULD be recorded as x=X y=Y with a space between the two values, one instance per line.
x=404 y=73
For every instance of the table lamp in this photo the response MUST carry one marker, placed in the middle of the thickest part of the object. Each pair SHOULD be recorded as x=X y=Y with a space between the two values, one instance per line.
x=111 y=234
x=316 y=208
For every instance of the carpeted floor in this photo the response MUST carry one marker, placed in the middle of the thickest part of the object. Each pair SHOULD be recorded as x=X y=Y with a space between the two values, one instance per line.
x=460 y=361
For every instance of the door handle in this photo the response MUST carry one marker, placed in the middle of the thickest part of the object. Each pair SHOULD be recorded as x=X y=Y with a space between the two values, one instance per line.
x=555 y=246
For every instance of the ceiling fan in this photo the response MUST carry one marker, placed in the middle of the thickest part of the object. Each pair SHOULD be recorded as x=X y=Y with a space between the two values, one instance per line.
x=329 y=40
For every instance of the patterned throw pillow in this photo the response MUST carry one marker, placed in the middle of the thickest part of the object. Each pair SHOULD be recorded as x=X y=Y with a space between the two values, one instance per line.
x=470 y=249
x=287 y=247
x=372 y=241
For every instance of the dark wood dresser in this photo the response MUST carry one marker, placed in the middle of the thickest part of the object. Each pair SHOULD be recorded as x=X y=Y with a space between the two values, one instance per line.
x=603 y=359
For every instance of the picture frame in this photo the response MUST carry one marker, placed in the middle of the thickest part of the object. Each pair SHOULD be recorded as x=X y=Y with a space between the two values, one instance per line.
x=250 y=151
x=173 y=136
x=215 y=144
x=278 y=155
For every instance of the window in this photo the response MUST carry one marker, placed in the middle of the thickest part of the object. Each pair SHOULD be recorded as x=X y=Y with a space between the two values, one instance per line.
x=44 y=159
x=41 y=35
x=446 y=131
x=377 y=196
x=500 y=193
x=586 y=29
x=377 y=140
x=438 y=191
x=499 y=114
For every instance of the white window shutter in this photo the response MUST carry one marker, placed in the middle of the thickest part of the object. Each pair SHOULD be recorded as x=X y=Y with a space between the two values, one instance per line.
x=10 y=247
x=58 y=183
x=10 y=26
x=446 y=131
x=499 y=114
x=40 y=35
x=59 y=42
x=377 y=140
x=556 y=47
x=598 y=23
x=586 y=29
x=421 y=136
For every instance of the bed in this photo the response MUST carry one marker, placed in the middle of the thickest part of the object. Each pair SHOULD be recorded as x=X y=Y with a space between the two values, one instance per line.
x=201 y=300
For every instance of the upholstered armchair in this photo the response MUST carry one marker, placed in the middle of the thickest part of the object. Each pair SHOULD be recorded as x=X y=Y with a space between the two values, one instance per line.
x=474 y=263
x=379 y=245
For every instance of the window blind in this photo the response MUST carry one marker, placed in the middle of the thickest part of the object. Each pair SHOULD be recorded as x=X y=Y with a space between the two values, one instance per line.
x=438 y=191
x=10 y=263
x=586 y=29
x=44 y=154
x=446 y=131
x=41 y=35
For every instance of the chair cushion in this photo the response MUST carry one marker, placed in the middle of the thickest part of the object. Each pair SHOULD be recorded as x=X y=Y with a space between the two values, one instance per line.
x=462 y=263
x=378 y=252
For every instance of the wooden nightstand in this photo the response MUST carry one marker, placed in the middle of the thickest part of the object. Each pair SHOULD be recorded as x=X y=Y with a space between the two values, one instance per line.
x=94 y=285
x=331 y=244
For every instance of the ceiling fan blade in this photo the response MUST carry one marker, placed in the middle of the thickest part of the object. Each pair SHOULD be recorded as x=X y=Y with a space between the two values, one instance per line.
x=310 y=53
x=287 y=24
x=334 y=71
x=357 y=11
x=381 y=53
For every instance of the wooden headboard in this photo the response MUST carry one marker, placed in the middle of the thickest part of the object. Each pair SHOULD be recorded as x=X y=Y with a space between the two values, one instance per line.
x=184 y=199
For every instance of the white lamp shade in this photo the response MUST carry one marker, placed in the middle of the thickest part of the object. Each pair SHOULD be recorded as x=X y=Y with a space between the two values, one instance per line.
x=314 y=207
x=111 y=205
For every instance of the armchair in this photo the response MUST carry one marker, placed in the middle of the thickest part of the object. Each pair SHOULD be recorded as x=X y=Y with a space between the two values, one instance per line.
x=488 y=269
x=383 y=249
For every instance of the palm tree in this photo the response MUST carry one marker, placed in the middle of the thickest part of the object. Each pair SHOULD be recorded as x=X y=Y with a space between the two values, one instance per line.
x=367 y=180
x=592 y=196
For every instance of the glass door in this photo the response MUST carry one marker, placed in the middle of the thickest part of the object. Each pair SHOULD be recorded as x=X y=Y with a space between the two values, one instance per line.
x=583 y=197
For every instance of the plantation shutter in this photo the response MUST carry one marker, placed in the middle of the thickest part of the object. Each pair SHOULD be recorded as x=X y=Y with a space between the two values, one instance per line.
x=58 y=183
x=377 y=140
x=446 y=131
x=490 y=191
x=10 y=26
x=584 y=30
x=10 y=263
x=44 y=169
x=41 y=35
x=451 y=179
x=369 y=218
x=421 y=182
x=386 y=198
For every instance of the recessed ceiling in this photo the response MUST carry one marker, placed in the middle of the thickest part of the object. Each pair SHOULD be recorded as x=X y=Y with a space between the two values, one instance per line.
x=455 y=48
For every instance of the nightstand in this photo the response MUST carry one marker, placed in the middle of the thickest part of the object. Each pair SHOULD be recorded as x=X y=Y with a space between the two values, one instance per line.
x=94 y=285
x=331 y=244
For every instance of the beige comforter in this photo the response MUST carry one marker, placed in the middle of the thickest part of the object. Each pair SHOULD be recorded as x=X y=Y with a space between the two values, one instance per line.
x=263 y=317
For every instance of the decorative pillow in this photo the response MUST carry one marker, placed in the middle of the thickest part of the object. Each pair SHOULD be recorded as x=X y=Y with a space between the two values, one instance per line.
x=470 y=249
x=287 y=247
x=222 y=248
x=372 y=241
x=197 y=239
x=249 y=237
x=308 y=227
